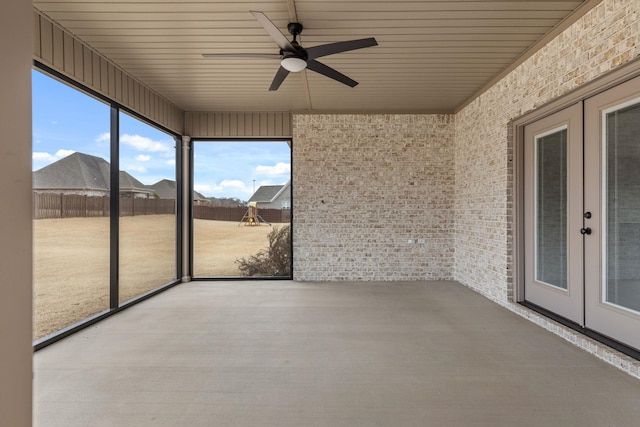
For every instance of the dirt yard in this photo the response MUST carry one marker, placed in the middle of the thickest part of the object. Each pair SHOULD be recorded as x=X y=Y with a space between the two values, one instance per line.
x=71 y=261
x=217 y=244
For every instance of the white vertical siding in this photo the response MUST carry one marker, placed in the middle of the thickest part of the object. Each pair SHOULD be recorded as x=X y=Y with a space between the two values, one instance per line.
x=238 y=124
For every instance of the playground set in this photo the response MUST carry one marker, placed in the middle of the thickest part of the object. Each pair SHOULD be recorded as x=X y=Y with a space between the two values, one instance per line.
x=251 y=217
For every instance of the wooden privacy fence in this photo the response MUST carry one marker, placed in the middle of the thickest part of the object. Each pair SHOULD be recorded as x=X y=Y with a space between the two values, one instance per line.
x=133 y=206
x=235 y=213
x=50 y=205
x=219 y=213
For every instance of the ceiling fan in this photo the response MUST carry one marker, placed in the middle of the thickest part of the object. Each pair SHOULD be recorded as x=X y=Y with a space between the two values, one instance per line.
x=294 y=58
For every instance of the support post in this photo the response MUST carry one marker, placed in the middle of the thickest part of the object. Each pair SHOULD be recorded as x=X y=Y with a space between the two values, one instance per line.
x=186 y=202
x=114 y=220
x=16 y=50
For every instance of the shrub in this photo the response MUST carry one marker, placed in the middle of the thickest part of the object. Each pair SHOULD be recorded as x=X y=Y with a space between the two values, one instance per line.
x=274 y=261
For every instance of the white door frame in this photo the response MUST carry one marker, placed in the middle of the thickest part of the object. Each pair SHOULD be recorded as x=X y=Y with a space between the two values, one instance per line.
x=516 y=142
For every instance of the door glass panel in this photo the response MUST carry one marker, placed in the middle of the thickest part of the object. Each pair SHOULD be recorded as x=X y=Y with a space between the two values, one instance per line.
x=622 y=207
x=551 y=209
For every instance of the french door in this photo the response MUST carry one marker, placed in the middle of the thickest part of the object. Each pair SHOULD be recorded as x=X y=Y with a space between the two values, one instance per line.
x=582 y=213
x=553 y=213
x=612 y=252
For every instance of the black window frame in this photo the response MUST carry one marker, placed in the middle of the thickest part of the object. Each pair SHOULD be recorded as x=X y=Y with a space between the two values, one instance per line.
x=114 y=234
x=289 y=140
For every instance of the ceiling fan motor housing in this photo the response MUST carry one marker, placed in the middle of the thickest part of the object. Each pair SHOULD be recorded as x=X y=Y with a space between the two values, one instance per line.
x=300 y=52
x=295 y=28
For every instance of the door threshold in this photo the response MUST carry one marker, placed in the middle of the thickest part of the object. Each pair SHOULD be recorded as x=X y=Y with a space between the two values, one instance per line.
x=616 y=345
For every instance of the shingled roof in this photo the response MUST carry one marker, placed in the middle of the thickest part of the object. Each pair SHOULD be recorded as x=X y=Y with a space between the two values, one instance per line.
x=76 y=171
x=268 y=193
x=80 y=171
x=166 y=189
x=83 y=172
x=129 y=183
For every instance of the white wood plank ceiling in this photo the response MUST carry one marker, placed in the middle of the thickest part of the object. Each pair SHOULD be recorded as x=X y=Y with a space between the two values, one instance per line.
x=432 y=55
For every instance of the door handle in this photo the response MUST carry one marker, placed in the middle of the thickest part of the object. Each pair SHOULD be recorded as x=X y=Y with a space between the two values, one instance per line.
x=585 y=230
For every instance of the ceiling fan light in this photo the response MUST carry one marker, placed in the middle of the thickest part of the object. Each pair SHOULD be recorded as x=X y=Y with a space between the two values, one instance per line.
x=293 y=64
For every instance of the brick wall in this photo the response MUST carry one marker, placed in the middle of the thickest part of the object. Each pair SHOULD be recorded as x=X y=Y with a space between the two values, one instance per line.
x=449 y=177
x=363 y=186
x=606 y=37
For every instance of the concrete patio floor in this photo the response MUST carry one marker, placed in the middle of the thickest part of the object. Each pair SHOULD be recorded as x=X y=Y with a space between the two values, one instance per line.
x=282 y=353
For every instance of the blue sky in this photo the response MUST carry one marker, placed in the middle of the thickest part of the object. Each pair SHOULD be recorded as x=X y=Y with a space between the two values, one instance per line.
x=232 y=167
x=67 y=121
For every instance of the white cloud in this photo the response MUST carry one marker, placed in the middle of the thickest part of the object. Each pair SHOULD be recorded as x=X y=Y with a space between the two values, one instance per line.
x=106 y=136
x=202 y=188
x=137 y=168
x=143 y=158
x=142 y=143
x=41 y=156
x=44 y=157
x=64 y=153
x=228 y=185
x=171 y=162
x=278 y=169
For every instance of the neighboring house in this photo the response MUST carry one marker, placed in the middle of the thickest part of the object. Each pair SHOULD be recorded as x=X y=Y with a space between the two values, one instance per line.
x=273 y=196
x=166 y=189
x=132 y=188
x=85 y=175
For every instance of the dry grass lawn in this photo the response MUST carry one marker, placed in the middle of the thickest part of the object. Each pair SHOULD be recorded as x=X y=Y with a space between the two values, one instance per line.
x=71 y=261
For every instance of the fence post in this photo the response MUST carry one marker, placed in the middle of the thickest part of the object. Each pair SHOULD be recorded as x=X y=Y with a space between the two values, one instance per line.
x=61 y=205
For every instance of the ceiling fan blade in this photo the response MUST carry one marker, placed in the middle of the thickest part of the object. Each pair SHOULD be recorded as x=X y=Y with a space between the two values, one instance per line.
x=331 y=48
x=243 y=55
x=279 y=78
x=273 y=31
x=325 y=70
